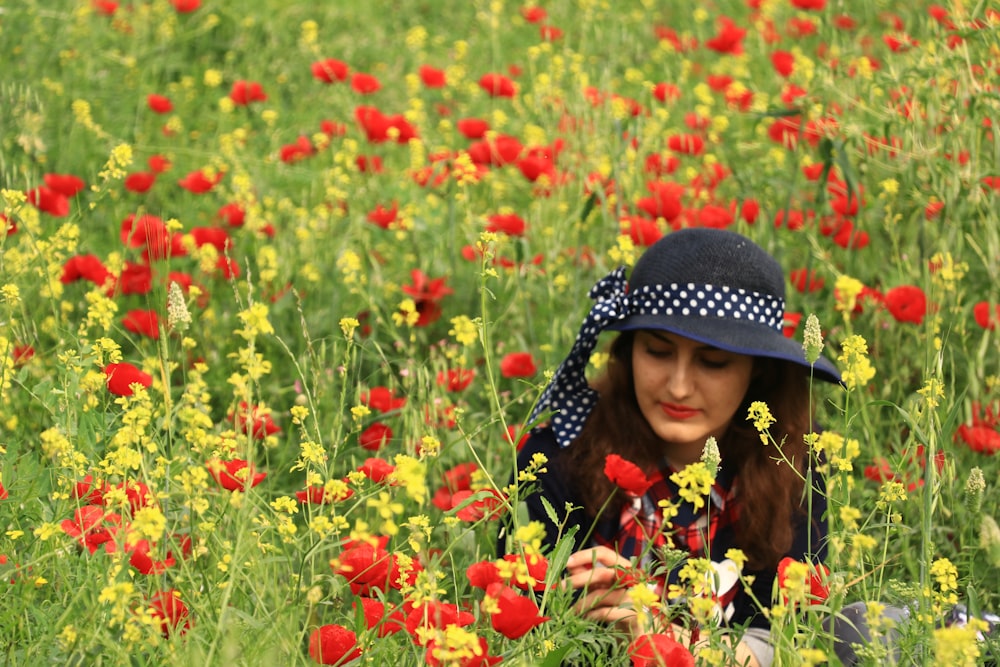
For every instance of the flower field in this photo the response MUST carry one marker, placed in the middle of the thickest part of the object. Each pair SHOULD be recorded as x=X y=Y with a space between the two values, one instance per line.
x=281 y=282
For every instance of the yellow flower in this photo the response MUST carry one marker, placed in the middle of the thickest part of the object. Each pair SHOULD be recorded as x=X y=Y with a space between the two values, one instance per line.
x=847 y=290
x=694 y=482
x=760 y=415
x=464 y=330
x=857 y=369
x=956 y=646
x=411 y=474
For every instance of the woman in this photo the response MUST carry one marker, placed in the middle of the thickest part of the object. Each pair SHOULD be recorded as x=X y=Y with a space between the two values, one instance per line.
x=700 y=322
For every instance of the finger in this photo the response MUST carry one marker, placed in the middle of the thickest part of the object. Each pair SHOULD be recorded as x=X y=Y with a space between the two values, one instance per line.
x=602 y=599
x=595 y=557
x=600 y=578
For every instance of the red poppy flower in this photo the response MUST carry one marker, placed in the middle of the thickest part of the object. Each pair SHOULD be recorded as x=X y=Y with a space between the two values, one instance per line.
x=235 y=475
x=85 y=267
x=534 y=13
x=369 y=164
x=367 y=568
x=198 y=182
x=510 y=224
x=3 y=492
x=377 y=125
x=67 y=185
x=300 y=149
x=482 y=574
x=790 y=323
x=432 y=77
x=382 y=399
x=375 y=437
x=138 y=494
x=159 y=103
x=244 y=92
x=376 y=618
x=123 y=375
x=333 y=645
x=148 y=232
x=143 y=322
x=473 y=128
x=383 y=217
x=144 y=563
x=86 y=491
x=749 y=211
x=643 y=231
x=7 y=226
x=537 y=568
x=783 y=63
x=364 y=84
x=654 y=650
x=729 y=39
x=501 y=150
x=715 y=217
x=455 y=379
x=626 y=475
x=982 y=439
x=533 y=167
x=666 y=92
x=158 y=164
x=517 y=614
x=799 y=27
x=140 y=181
x=330 y=70
x=332 y=128
x=105 y=7
x=550 y=33
x=185 y=6
x=805 y=280
x=49 y=201
x=488 y=505
x=900 y=43
x=135 y=278
x=817 y=5
x=518 y=365
x=688 y=144
x=214 y=236
x=987 y=315
x=906 y=303
x=172 y=612
x=427 y=294
x=317 y=495
x=376 y=469
x=819 y=590
x=254 y=420
x=497 y=85
x=93 y=528
x=22 y=354
x=436 y=615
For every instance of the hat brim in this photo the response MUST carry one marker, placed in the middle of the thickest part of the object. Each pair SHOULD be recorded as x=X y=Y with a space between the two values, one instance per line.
x=733 y=336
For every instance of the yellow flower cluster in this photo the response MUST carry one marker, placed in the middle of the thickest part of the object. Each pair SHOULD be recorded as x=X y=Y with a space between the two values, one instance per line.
x=857 y=370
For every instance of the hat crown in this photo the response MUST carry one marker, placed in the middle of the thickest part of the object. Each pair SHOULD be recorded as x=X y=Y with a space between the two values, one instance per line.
x=714 y=257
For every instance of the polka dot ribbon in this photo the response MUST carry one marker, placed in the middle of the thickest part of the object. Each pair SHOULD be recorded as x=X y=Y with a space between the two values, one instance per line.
x=569 y=396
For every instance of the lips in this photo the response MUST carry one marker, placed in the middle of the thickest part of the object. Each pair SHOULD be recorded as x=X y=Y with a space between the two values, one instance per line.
x=678 y=411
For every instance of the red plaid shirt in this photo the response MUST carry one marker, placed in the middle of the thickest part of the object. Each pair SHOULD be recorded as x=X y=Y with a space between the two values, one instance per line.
x=707 y=532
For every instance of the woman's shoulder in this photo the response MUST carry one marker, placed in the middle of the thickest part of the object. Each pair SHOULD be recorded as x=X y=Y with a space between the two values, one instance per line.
x=541 y=440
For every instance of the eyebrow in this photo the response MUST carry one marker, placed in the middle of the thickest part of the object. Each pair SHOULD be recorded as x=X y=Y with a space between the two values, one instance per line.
x=663 y=338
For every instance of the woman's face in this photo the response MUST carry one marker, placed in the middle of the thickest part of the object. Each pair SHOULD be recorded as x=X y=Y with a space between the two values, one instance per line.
x=687 y=390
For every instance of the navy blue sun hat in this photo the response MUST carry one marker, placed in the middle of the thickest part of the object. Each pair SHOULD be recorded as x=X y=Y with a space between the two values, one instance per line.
x=711 y=285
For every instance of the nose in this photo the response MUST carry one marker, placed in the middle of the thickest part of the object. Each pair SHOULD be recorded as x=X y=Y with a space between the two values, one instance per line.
x=680 y=381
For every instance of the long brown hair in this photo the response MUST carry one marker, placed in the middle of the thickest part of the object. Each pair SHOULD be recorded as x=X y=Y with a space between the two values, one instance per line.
x=769 y=491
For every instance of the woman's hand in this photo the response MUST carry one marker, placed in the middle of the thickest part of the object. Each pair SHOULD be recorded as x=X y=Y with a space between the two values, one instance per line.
x=601 y=573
